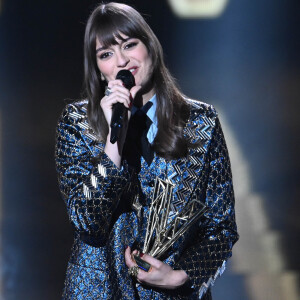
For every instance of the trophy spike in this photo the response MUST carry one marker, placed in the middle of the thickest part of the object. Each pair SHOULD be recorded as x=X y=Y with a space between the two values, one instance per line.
x=163 y=228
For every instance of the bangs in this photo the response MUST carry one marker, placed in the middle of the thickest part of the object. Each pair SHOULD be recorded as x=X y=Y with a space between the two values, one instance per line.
x=112 y=27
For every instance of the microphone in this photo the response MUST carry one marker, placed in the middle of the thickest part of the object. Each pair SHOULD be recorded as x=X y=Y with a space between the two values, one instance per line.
x=119 y=110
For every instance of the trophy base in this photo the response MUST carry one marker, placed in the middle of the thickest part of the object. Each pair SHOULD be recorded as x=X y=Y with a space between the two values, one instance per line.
x=142 y=264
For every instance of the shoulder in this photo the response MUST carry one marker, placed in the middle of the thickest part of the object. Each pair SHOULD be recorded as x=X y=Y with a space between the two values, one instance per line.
x=201 y=122
x=200 y=110
x=74 y=112
x=74 y=119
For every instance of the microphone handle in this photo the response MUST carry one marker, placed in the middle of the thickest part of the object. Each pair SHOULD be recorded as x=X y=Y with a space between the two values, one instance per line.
x=116 y=123
x=119 y=110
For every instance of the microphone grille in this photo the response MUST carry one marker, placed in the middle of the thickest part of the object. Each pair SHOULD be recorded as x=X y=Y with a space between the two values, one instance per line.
x=127 y=78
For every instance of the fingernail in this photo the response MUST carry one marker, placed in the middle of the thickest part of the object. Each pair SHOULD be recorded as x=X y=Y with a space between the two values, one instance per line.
x=141 y=254
x=126 y=247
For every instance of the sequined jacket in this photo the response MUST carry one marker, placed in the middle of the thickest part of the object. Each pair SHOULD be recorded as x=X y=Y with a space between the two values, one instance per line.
x=98 y=198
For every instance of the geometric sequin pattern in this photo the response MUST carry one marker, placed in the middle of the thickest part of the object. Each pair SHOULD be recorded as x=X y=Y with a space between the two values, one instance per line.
x=91 y=185
x=205 y=260
x=94 y=189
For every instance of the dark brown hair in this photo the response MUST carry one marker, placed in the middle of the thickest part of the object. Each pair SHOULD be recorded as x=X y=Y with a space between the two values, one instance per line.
x=106 y=23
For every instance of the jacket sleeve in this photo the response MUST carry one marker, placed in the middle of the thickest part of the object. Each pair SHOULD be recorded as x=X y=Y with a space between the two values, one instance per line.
x=205 y=259
x=91 y=186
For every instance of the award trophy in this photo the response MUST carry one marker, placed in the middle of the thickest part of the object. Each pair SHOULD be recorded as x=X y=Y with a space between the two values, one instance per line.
x=164 y=226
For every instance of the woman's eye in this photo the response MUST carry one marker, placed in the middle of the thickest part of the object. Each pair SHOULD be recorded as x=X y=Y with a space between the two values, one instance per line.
x=104 y=55
x=130 y=45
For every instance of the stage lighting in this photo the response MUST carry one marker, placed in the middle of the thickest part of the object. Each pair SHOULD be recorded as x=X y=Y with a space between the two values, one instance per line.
x=198 y=8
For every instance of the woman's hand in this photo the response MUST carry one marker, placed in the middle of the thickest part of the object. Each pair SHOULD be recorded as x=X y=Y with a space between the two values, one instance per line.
x=118 y=94
x=160 y=275
x=122 y=95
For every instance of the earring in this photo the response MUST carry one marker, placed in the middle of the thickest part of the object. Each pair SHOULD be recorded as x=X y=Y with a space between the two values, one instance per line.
x=102 y=77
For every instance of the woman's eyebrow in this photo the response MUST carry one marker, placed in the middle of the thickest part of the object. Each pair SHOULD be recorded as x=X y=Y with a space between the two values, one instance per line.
x=100 y=49
x=122 y=42
x=125 y=40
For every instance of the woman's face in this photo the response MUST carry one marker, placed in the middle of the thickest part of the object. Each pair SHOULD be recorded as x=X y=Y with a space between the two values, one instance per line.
x=130 y=54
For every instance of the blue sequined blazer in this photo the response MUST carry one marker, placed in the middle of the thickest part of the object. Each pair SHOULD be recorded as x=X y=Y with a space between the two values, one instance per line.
x=94 y=189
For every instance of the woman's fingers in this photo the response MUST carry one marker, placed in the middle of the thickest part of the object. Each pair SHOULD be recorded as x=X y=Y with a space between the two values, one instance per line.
x=134 y=90
x=118 y=93
x=131 y=263
x=119 y=88
x=160 y=275
x=113 y=98
x=113 y=83
x=151 y=260
x=128 y=259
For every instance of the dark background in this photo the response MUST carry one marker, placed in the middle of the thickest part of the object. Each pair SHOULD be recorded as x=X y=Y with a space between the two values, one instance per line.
x=246 y=63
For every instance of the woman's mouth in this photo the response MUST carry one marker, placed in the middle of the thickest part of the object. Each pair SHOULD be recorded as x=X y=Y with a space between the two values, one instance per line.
x=133 y=70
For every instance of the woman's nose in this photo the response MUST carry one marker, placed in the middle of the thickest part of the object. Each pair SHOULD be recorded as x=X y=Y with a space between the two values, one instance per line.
x=122 y=60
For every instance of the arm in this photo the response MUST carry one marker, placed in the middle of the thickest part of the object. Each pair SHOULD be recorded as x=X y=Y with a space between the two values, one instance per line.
x=204 y=260
x=91 y=186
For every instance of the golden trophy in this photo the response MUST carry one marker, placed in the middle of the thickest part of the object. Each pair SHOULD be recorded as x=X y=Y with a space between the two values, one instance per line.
x=164 y=226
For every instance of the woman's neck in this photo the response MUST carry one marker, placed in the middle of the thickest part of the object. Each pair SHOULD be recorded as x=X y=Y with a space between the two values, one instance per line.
x=148 y=96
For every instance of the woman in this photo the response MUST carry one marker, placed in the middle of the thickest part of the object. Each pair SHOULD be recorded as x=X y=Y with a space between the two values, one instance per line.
x=108 y=187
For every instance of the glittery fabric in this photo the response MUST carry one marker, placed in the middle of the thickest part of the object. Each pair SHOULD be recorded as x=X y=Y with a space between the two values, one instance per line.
x=99 y=198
